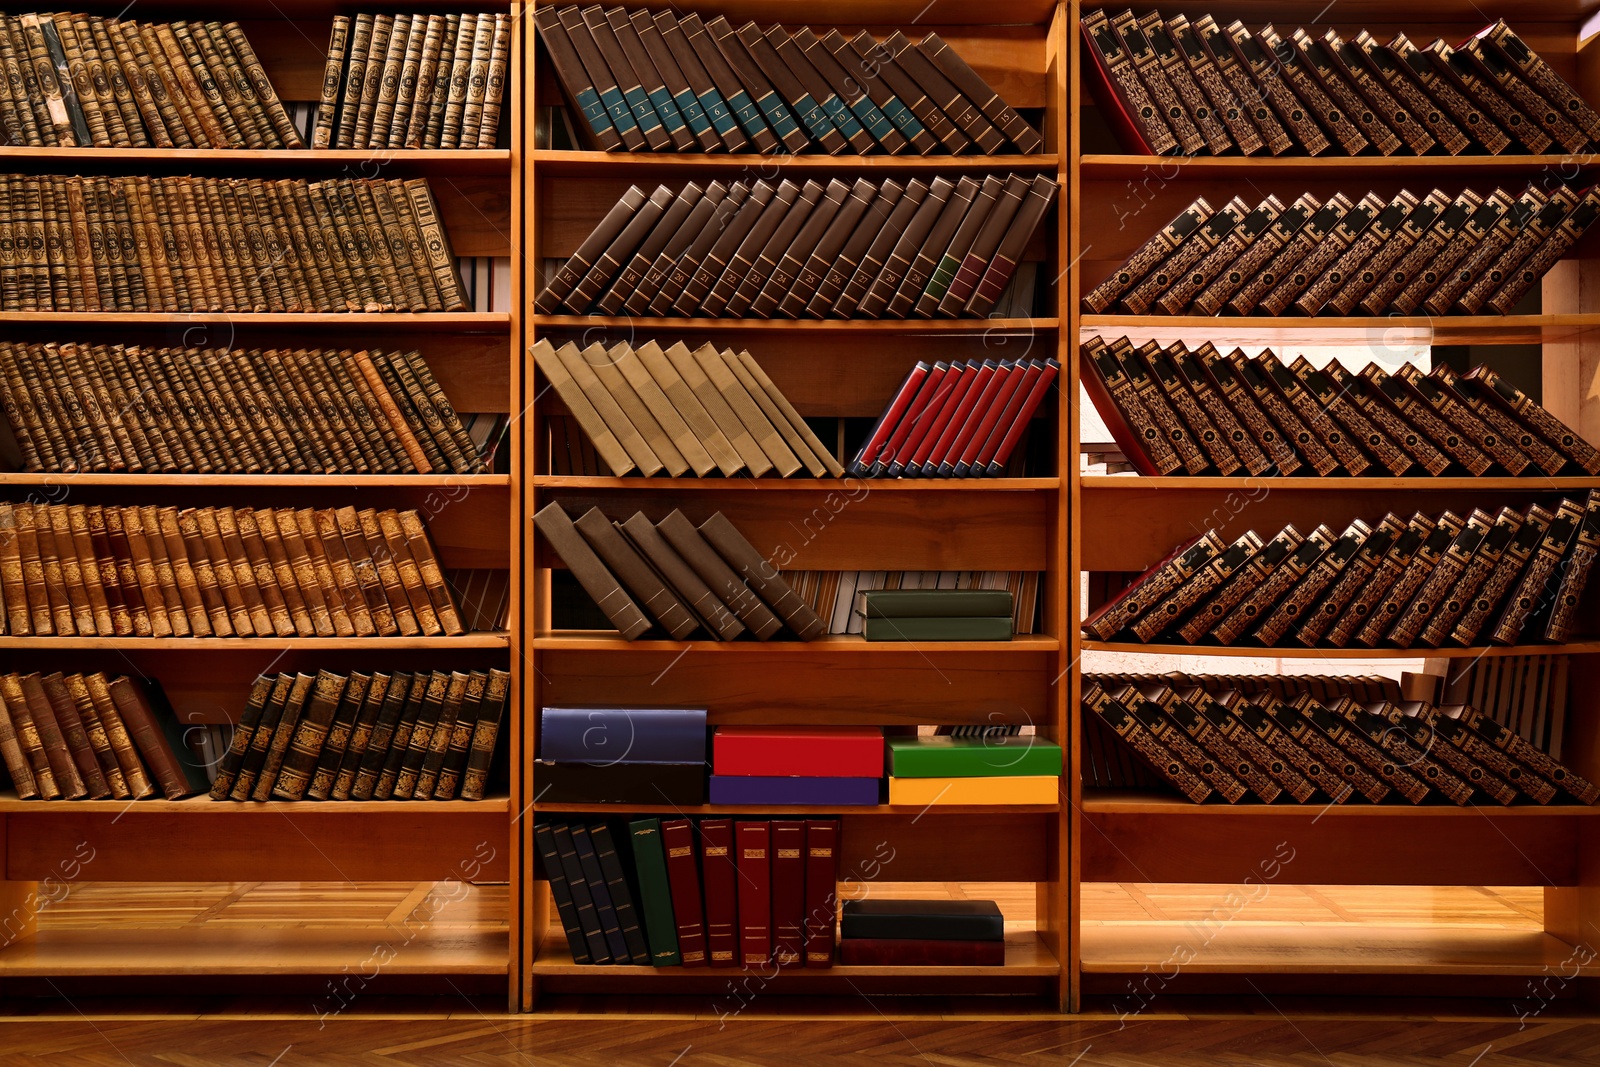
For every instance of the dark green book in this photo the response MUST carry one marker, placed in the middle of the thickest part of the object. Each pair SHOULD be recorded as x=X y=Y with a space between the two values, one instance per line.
x=972 y=757
x=941 y=629
x=655 y=895
x=934 y=603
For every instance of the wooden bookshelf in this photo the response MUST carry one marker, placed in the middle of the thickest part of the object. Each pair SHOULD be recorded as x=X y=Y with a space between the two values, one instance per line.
x=829 y=370
x=474 y=523
x=1126 y=523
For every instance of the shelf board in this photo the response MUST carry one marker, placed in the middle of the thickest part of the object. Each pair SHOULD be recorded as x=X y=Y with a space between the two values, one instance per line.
x=252 y=950
x=1386 y=331
x=593 y=324
x=432 y=161
x=203 y=805
x=1139 y=802
x=1026 y=956
x=895 y=485
x=1571 y=649
x=570 y=164
x=1243 y=947
x=1411 y=485
x=485 y=639
x=425 y=321
x=1110 y=165
x=300 y=480
x=604 y=641
x=798 y=810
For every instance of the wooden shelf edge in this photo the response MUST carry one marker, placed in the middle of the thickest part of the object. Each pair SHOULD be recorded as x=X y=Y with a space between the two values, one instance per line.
x=599 y=641
x=1571 y=648
x=592 y=323
x=1095 y=165
x=1385 y=331
x=1124 y=482
x=476 y=159
x=1139 y=802
x=427 y=320
x=798 y=810
x=893 y=485
x=495 y=639
x=204 y=805
x=298 y=480
x=583 y=163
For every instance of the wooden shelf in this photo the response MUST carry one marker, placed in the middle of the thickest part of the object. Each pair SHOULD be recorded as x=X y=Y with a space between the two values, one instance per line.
x=570 y=164
x=432 y=162
x=1574 y=648
x=319 y=481
x=801 y=810
x=1116 y=482
x=1243 y=947
x=825 y=485
x=598 y=324
x=427 y=321
x=1137 y=802
x=203 y=805
x=1381 y=331
x=1263 y=167
x=599 y=641
x=486 y=639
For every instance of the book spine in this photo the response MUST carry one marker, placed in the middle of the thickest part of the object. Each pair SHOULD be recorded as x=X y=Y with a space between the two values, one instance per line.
x=678 y=842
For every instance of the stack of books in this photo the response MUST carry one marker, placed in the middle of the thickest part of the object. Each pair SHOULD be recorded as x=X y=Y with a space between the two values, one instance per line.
x=793 y=765
x=622 y=755
x=936 y=614
x=990 y=769
x=1169 y=85
x=1437 y=254
x=654 y=79
x=942 y=248
x=718 y=892
x=1174 y=410
x=922 y=933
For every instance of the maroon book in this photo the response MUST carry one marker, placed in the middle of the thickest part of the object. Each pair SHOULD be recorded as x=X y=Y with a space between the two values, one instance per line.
x=753 y=840
x=721 y=877
x=677 y=836
x=788 y=891
x=883 y=952
x=822 y=890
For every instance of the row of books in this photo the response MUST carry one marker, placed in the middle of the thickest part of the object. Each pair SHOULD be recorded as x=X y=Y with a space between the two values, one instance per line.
x=943 y=247
x=211 y=244
x=1495 y=578
x=665 y=81
x=122 y=408
x=365 y=736
x=1233 y=746
x=413 y=81
x=840 y=597
x=1169 y=85
x=1525 y=694
x=91 y=736
x=695 y=893
x=676 y=410
x=75 y=80
x=1363 y=687
x=119 y=571
x=691 y=578
x=956 y=419
x=1467 y=254
x=1174 y=410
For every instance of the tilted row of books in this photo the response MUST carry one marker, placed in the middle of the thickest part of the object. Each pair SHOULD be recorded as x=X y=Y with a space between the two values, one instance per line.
x=71 y=243
x=1170 y=85
x=413 y=81
x=1496 y=578
x=1174 y=410
x=945 y=247
x=1363 y=687
x=1467 y=254
x=1525 y=694
x=95 y=408
x=671 y=82
x=707 y=578
x=81 y=80
x=121 y=571
x=1234 y=745
x=365 y=736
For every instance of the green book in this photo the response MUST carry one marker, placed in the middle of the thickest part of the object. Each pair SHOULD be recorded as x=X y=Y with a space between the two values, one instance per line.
x=973 y=757
x=934 y=603
x=945 y=629
x=655 y=895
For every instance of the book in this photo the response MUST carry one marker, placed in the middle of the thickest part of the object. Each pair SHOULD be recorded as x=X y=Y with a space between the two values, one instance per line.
x=752 y=845
x=788 y=872
x=679 y=783
x=938 y=629
x=566 y=902
x=984 y=757
x=837 y=752
x=932 y=791
x=905 y=952
x=621 y=735
x=655 y=900
x=677 y=839
x=920 y=920
x=813 y=790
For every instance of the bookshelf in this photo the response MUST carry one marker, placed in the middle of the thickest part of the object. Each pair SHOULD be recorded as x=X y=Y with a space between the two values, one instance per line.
x=474 y=523
x=1126 y=523
x=831 y=370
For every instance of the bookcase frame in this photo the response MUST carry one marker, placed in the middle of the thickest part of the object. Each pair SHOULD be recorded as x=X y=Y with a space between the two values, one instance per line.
x=827 y=368
x=472 y=519
x=1128 y=523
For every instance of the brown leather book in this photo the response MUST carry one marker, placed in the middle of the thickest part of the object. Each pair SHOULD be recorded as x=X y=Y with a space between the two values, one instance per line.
x=485 y=730
x=646 y=587
x=184 y=578
x=117 y=551
x=1386 y=611
x=243 y=733
x=859 y=261
x=283 y=567
x=361 y=733
x=1539 y=580
x=680 y=577
x=153 y=732
x=294 y=706
x=255 y=756
x=29 y=737
x=629 y=81
x=458 y=745
x=55 y=590
x=310 y=734
x=909 y=241
x=761 y=575
x=665 y=278
x=253 y=541
x=324 y=527
x=1472 y=81
x=409 y=769
x=98 y=736
x=396 y=590
x=784 y=277
x=715 y=572
x=1323 y=70
x=74 y=735
x=73 y=566
x=1258 y=63
x=13 y=569
x=1389 y=71
x=704 y=264
x=942 y=93
x=377 y=776
x=214 y=572
x=130 y=523
x=766 y=219
x=12 y=754
x=253 y=599
x=333 y=592
x=366 y=572
x=598 y=581
x=422 y=551
x=821 y=112
x=443 y=735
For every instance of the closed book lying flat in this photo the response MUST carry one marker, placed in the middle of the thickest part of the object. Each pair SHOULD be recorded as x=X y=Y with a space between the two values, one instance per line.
x=622 y=735
x=934 y=603
x=945 y=629
x=921 y=920
x=1012 y=789
x=943 y=756
x=744 y=789
x=622 y=783
x=835 y=752
x=891 y=952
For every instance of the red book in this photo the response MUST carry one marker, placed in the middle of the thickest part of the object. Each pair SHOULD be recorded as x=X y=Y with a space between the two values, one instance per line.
x=944 y=422
x=974 y=419
x=1015 y=382
x=790 y=752
x=721 y=877
x=788 y=891
x=882 y=952
x=931 y=421
x=890 y=417
x=677 y=836
x=1032 y=370
x=994 y=459
x=908 y=422
x=754 y=842
x=958 y=421
x=822 y=890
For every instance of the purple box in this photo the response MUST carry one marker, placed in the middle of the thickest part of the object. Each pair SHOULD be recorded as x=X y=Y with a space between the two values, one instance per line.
x=742 y=789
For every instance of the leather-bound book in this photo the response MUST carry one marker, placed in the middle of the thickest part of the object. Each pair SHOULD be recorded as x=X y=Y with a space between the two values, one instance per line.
x=712 y=612
x=1178 y=605
x=852 y=94
x=99 y=736
x=1391 y=604
x=1327 y=430
x=682 y=784
x=661 y=248
x=689 y=543
x=683 y=875
x=1423 y=738
x=1252 y=378
x=943 y=93
x=720 y=33
x=752 y=842
x=304 y=745
x=1249 y=258
x=333 y=80
x=260 y=740
x=1378 y=269
x=1248 y=121
x=1459 y=416
x=1349 y=739
x=726 y=83
x=1269 y=768
x=1445 y=577
x=719 y=863
x=1336 y=760
x=159 y=736
x=1132 y=425
x=906 y=102
x=617 y=253
x=590 y=919
x=1239 y=583
x=578 y=265
x=1398 y=78
x=1518 y=281
x=1469 y=80
x=1272 y=81
x=1185 y=288
x=1147 y=64
x=980 y=93
x=458 y=749
x=1146 y=591
x=1490 y=389
x=791 y=426
x=1167 y=273
x=1278 y=583
x=821 y=112
x=787 y=198
x=1575 y=570
x=788 y=842
x=616 y=886
x=587 y=567
x=1328 y=397
x=1305 y=767
x=1295 y=250
x=30 y=733
x=1453 y=732
x=243 y=732
x=708 y=270
x=1009 y=254
x=628 y=80
x=1355 y=572
x=734 y=297
x=821 y=890
x=637 y=575
x=700 y=437
x=1209 y=738
x=1524 y=752
x=1402 y=551
x=1161 y=758
x=400 y=588
x=13 y=755
x=399 y=557
x=1378 y=231
x=687 y=83
x=1414 y=410
x=336 y=742
x=566 y=903
x=1538 y=74
x=1493 y=68
x=762 y=576
x=1481 y=567
x=655 y=891
x=63 y=720
x=439 y=739
x=665 y=279
x=429 y=570
x=376 y=779
x=1227 y=421
x=1534 y=231
x=1166 y=732
x=1425 y=249
x=1443 y=91
x=1354 y=67
x=1365 y=397
x=863 y=256
x=651 y=80
x=1398 y=748
x=921 y=920
x=1325 y=71
x=419 y=743
x=979 y=251
x=784 y=276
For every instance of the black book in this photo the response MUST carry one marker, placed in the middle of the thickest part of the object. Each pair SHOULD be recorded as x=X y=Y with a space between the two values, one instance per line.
x=550 y=860
x=922 y=920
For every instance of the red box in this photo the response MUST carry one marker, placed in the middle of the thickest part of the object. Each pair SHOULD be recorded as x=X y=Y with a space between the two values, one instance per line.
x=780 y=752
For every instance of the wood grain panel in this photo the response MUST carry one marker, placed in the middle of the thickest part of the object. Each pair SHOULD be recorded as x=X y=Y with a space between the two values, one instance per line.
x=927 y=848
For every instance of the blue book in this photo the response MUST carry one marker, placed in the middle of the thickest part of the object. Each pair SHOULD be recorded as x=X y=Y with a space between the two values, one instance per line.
x=610 y=924
x=742 y=789
x=608 y=736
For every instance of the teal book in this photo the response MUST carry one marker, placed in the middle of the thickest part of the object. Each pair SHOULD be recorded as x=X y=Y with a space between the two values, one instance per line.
x=973 y=757
x=937 y=629
x=655 y=895
x=934 y=603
